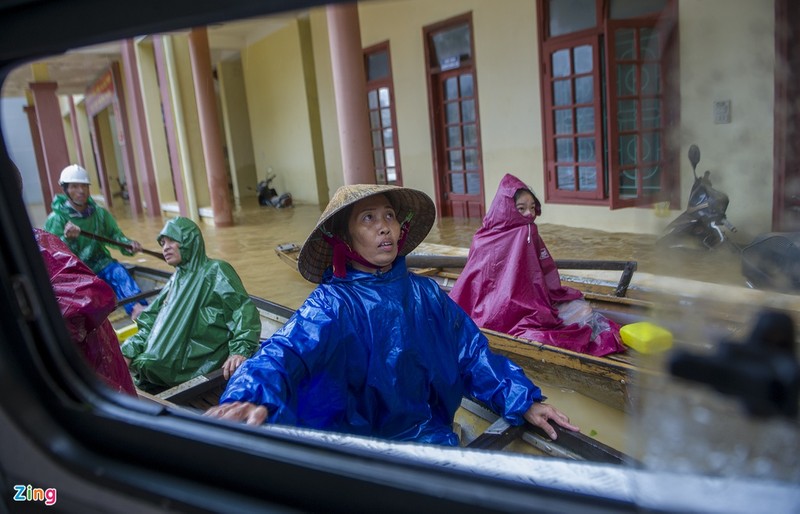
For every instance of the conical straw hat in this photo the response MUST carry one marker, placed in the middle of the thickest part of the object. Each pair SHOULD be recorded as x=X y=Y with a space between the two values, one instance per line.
x=317 y=255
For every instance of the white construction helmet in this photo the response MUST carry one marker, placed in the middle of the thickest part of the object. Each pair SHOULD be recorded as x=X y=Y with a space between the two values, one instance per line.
x=73 y=174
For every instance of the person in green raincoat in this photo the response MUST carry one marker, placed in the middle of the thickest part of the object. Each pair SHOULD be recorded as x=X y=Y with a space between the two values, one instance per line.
x=75 y=211
x=202 y=319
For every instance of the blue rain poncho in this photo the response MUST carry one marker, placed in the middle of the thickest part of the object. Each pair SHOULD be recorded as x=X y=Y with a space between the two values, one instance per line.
x=202 y=315
x=387 y=355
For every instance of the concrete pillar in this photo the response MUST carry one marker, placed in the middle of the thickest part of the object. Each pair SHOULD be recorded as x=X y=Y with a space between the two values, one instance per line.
x=125 y=141
x=76 y=135
x=350 y=88
x=47 y=191
x=138 y=124
x=51 y=131
x=200 y=55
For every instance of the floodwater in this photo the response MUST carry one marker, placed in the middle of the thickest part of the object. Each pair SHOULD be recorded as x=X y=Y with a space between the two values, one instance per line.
x=250 y=247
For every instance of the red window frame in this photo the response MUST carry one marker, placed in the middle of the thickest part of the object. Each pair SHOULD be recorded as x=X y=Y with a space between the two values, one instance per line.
x=377 y=133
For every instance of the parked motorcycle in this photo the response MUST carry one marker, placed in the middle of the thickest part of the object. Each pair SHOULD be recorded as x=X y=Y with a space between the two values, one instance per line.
x=771 y=261
x=704 y=224
x=267 y=195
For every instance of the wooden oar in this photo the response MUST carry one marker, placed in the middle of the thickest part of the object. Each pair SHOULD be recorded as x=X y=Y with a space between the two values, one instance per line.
x=128 y=247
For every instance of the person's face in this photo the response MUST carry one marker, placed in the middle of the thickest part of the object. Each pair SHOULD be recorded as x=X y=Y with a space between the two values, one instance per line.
x=374 y=231
x=171 y=250
x=78 y=194
x=526 y=205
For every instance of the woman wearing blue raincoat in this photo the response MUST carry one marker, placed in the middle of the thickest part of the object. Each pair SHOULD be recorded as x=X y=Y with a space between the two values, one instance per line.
x=202 y=319
x=376 y=350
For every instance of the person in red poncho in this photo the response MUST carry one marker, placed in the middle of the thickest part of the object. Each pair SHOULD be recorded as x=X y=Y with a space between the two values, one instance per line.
x=85 y=301
x=511 y=284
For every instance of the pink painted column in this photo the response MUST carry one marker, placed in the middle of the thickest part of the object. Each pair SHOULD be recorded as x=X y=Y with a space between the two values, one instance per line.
x=51 y=130
x=209 y=127
x=350 y=88
x=47 y=192
x=124 y=140
x=169 y=125
x=140 y=139
x=76 y=134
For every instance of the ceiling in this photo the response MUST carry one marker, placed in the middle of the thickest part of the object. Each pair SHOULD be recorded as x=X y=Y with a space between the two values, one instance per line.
x=77 y=69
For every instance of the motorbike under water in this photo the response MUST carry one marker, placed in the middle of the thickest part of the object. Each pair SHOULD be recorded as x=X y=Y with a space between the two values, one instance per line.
x=771 y=261
x=704 y=224
x=267 y=195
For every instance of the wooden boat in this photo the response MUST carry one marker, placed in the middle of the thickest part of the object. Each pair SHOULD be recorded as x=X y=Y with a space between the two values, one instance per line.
x=478 y=426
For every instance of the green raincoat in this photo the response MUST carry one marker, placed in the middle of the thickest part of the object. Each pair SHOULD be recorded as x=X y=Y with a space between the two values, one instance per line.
x=98 y=221
x=202 y=316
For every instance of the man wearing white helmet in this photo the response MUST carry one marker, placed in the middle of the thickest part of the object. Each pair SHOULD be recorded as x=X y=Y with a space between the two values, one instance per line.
x=75 y=211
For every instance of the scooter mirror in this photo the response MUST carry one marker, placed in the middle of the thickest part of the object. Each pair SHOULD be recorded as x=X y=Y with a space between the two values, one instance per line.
x=694 y=156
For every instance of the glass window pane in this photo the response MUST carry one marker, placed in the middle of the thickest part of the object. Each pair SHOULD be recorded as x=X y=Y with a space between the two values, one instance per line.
x=466 y=85
x=587 y=178
x=568 y=16
x=625 y=49
x=628 y=152
x=584 y=90
x=651 y=113
x=563 y=121
x=583 y=59
x=378 y=156
x=585 y=119
x=453 y=136
x=451 y=88
x=389 y=156
x=452 y=43
x=562 y=92
x=372 y=99
x=470 y=135
x=391 y=175
x=386 y=118
x=626 y=115
x=380 y=176
x=651 y=147
x=473 y=183
x=457 y=183
x=565 y=178
x=586 y=151
x=564 y=151
x=471 y=158
x=384 y=96
x=388 y=139
x=651 y=79
x=456 y=162
x=561 y=65
x=649 y=45
x=451 y=113
x=376 y=139
x=627 y=183
x=651 y=179
x=468 y=111
x=626 y=80
x=374 y=120
x=623 y=9
x=377 y=65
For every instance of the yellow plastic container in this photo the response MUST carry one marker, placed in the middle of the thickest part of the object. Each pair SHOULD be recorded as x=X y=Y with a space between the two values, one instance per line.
x=126 y=331
x=645 y=337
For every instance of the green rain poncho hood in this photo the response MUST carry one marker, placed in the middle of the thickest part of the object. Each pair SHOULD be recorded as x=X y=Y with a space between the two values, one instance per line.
x=202 y=316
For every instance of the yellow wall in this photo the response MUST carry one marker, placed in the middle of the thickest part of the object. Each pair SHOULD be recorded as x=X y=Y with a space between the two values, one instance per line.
x=727 y=53
x=236 y=124
x=276 y=97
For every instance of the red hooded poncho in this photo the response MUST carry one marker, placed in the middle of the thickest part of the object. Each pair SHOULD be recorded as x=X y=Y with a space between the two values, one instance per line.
x=511 y=284
x=85 y=302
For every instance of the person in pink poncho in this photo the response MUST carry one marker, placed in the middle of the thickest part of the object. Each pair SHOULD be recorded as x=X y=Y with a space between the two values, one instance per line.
x=511 y=284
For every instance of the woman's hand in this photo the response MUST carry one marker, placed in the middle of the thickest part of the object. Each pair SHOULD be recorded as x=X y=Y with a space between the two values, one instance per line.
x=250 y=413
x=231 y=364
x=540 y=413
